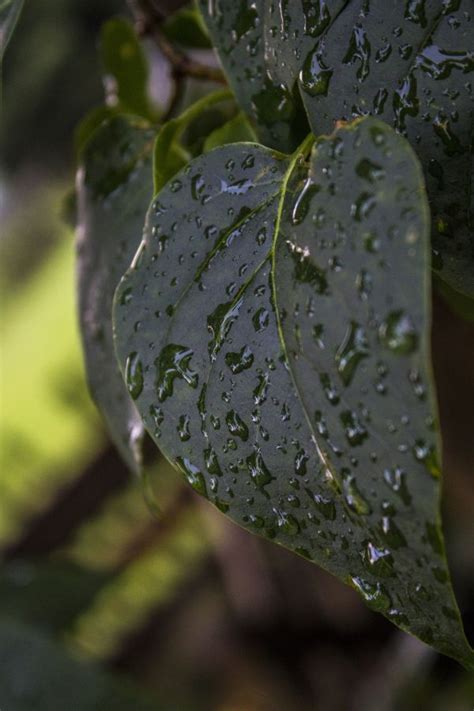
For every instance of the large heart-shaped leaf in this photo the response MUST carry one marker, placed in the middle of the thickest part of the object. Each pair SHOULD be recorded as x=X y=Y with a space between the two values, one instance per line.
x=195 y=316
x=114 y=188
x=411 y=63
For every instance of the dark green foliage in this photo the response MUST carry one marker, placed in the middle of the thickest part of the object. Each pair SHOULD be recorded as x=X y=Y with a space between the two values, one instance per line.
x=272 y=325
x=126 y=69
x=410 y=63
x=186 y=28
x=344 y=469
x=114 y=189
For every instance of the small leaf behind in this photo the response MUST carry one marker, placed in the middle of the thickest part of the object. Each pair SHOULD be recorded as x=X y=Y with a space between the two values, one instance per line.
x=114 y=188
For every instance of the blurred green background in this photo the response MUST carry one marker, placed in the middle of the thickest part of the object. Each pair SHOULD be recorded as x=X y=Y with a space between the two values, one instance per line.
x=103 y=606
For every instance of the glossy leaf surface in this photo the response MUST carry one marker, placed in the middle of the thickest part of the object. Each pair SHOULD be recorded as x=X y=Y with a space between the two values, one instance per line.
x=196 y=315
x=237 y=30
x=353 y=294
x=114 y=189
x=410 y=63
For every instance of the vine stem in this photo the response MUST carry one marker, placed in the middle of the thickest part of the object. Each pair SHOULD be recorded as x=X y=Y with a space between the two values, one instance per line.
x=148 y=20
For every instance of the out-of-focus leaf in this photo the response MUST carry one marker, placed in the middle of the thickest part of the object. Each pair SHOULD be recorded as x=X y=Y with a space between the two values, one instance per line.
x=9 y=14
x=410 y=63
x=90 y=123
x=186 y=27
x=169 y=155
x=217 y=393
x=237 y=130
x=51 y=79
x=426 y=688
x=36 y=673
x=48 y=595
x=114 y=189
x=126 y=69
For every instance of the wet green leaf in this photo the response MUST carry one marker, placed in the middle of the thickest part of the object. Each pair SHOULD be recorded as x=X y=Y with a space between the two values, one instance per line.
x=9 y=14
x=217 y=393
x=114 y=189
x=236 y=28
x=353 y=295
x=410 y=63
x=126 y=69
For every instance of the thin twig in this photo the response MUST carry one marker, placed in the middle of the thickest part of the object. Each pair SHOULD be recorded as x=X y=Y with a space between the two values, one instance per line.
x=148 y=20
x=183 y=65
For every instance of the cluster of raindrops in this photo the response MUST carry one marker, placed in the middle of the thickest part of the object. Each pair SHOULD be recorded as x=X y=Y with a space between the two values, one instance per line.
x=253 y=362
x=372 y=451
x=410 y=63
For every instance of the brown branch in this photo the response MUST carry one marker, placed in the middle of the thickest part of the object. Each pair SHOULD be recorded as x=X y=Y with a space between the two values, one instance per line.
x=183 y=65
x=148 y=20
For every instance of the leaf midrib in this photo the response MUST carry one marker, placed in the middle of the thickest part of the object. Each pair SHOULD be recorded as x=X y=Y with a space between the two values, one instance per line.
x=207 y=259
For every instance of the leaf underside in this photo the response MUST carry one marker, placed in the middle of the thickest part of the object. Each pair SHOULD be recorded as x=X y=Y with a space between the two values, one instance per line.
x=114 y=189
x=410 y=63
x=295 y=424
